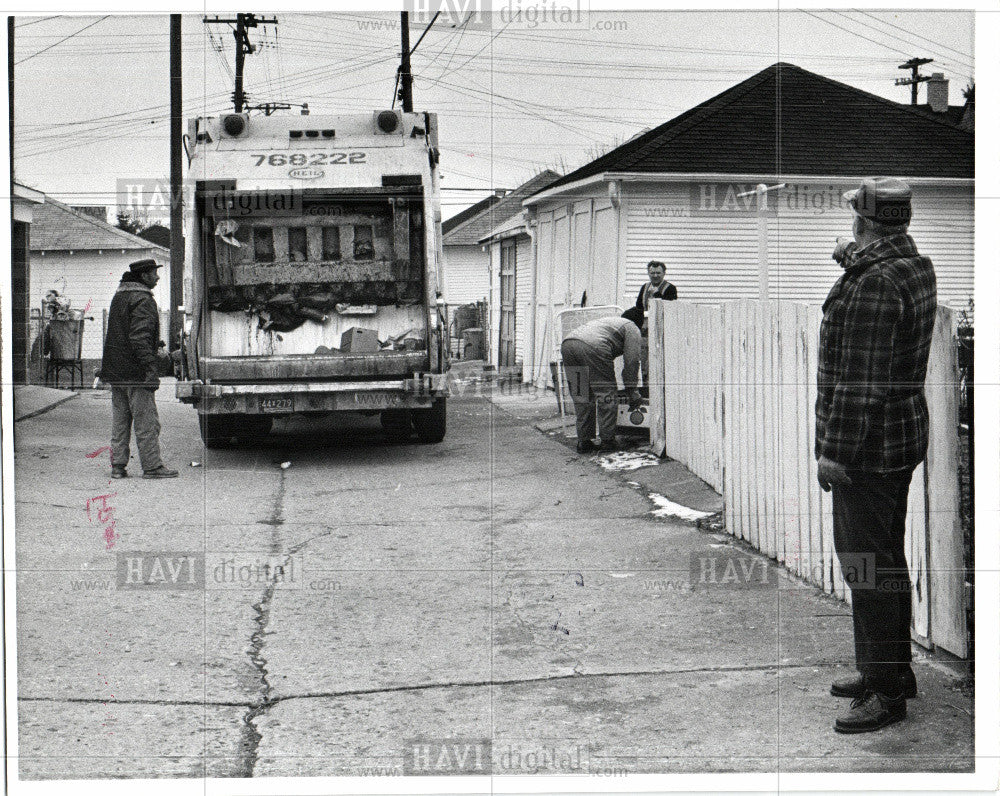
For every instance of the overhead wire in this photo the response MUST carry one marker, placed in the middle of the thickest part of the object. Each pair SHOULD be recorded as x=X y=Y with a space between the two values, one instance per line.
x=946 y=60
x=35 y=22
x=938 y=44
x=66 y=38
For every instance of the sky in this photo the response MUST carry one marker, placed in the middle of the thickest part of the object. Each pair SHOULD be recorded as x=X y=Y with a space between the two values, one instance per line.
x=513 y=98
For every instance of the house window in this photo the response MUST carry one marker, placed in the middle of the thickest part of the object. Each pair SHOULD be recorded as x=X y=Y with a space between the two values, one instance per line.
x=263 y=245
x=331 y=243
x=297 y=248
x=364 y=242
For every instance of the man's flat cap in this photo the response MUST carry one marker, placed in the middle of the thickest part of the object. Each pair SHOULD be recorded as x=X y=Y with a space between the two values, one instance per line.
x=882 y=199
x=141 y=266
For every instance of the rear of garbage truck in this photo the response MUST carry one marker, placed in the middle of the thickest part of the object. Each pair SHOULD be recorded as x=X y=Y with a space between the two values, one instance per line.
x=313 y=251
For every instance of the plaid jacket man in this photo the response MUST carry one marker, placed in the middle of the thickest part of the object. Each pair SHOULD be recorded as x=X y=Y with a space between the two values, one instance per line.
x=875 y=338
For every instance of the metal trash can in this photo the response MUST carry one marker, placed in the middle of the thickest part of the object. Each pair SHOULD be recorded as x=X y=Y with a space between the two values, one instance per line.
x=473 y=344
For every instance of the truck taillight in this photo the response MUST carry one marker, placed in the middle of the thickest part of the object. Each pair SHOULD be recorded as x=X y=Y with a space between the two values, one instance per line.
x=387 y=121
x=234 y=124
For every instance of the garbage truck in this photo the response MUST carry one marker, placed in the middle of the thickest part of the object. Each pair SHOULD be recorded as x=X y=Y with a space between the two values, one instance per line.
x=313 y=253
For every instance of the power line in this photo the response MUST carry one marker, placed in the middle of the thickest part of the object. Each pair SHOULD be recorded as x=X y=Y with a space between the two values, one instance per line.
x=886 y=33
x=67 y=38
x=917 y=35
x=413 y=49
x=35 y=22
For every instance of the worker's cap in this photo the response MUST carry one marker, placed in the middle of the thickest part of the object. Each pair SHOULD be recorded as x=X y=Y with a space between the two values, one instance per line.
x=882 y=199
x=141 y=266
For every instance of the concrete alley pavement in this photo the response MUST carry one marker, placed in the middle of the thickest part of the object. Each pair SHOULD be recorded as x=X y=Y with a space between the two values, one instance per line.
x=494 y=592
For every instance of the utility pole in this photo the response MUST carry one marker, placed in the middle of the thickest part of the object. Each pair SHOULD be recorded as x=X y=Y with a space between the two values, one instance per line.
x=243 y=23
x=916 y=78
x=405 y=76
x=176 y=187
x=10 y=95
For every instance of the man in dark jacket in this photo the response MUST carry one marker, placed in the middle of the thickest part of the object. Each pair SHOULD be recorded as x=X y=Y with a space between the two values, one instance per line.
x=871 y=432
x=130 y=366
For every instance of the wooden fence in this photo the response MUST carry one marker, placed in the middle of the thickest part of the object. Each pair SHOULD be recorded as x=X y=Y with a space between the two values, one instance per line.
x=733 y=397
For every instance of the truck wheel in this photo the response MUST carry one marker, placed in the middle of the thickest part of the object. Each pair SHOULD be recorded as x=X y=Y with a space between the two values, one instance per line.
x=431 y=424
x=217 y=431
x=396 y=424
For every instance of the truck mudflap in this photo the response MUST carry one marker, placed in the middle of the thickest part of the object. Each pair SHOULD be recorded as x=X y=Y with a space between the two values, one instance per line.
x=418 y=392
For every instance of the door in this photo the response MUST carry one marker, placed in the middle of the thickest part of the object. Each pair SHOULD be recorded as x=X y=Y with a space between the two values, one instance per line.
x=508 y=269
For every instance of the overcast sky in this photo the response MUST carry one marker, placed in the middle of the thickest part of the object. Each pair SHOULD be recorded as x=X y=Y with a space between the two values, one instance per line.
x=92 y=92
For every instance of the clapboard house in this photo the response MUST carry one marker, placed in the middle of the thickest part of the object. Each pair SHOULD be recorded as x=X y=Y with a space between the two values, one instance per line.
x=684 y=193
x=83 y=257
x=466 y=263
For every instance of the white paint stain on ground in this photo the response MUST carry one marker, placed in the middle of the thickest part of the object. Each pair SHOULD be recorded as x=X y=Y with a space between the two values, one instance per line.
x=622 y=461
x=667 y=508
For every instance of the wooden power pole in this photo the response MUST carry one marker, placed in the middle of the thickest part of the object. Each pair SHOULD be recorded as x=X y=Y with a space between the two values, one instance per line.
x=243 y=23
x=915 y=78
x=405 y=76
x=176 y=186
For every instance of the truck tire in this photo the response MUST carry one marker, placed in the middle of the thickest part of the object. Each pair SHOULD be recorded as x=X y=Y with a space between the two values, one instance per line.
x=431 y=424
x=217 y=431
x=396 y=424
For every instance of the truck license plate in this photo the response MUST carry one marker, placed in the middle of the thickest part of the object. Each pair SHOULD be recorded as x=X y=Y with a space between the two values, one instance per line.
x=275 y=405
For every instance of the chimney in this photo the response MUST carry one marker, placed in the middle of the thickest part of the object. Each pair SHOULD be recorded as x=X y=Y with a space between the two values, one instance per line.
x=937 y=93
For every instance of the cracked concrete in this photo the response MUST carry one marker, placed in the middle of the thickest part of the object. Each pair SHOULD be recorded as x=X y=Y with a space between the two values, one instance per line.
x=494 y=586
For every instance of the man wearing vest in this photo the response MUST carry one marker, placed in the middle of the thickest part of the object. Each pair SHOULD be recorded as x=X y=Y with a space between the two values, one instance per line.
x=656 y=288
x=871 y=432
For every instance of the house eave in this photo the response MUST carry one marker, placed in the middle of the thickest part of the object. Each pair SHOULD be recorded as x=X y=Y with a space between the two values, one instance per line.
x=633 y=176
x=551 y=193
x=673 y=177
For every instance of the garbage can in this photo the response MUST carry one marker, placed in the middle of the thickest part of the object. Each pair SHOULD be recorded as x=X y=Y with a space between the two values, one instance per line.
x=64 y=339
x=473 y=347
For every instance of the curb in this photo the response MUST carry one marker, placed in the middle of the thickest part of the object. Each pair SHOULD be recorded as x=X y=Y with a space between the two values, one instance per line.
x=45 y=409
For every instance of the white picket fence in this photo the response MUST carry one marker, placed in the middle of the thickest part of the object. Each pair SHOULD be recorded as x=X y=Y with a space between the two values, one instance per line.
x=734 y=400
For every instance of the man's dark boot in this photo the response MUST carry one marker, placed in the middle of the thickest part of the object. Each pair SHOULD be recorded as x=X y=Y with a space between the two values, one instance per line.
x=871 y=712
x=854 y=687
x=118 y=471
x=585 y=446
x=160 y=472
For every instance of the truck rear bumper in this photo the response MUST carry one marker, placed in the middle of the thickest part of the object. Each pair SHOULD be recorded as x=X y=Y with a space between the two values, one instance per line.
x=417 y=392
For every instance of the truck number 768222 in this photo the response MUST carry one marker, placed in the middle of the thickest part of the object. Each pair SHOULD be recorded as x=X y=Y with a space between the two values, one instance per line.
x=315 y=159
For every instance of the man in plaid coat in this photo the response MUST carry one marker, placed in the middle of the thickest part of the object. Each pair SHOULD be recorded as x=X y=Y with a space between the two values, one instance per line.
x=871 y=432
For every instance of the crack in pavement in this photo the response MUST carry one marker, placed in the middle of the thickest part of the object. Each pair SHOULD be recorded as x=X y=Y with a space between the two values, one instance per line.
x=250 y=736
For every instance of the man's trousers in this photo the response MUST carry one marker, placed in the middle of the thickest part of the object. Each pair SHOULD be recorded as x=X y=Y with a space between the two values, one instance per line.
x=869 y=524
x=135 y=407
x=591 y=377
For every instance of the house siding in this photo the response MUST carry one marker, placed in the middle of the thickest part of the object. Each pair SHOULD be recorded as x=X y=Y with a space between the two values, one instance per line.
x=89 y=279
x=466 y=274
x=715 y=258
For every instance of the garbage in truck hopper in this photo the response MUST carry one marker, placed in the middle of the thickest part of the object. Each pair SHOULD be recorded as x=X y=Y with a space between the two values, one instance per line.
x=287 y=268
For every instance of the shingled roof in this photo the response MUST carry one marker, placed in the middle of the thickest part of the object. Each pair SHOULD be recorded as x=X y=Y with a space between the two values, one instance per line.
x=787 y=120
x=58 y=227
x=476 y=222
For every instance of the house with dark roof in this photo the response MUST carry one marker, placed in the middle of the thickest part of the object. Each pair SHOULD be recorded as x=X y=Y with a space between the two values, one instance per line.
x=684 y=193
x=83 y=257
x=466 y=264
